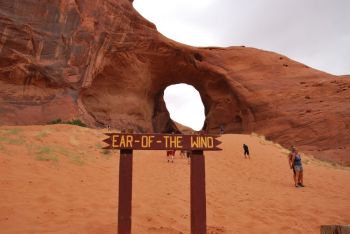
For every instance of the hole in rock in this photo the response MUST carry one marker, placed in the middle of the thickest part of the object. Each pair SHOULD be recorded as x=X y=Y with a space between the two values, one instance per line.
x=185 y=105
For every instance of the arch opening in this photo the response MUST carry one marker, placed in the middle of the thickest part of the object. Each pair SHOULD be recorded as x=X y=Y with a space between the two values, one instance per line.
x=185 y=105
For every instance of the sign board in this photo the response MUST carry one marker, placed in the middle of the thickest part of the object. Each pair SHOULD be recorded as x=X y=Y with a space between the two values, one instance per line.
x=162 y=141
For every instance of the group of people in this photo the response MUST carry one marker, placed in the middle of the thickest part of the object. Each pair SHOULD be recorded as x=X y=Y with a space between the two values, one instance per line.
x=170 y=154
x=294 y=163
x=294 y=159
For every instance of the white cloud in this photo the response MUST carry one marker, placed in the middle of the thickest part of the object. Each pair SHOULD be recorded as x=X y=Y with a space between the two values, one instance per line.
x=185 y=105
x=314 y=32
x=165 y=14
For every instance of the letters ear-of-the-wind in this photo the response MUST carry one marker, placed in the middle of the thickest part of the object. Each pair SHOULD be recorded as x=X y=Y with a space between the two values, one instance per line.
x=162 y=141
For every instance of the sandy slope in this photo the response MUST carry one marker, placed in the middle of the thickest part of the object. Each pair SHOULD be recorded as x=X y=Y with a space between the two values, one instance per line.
x=56 y=179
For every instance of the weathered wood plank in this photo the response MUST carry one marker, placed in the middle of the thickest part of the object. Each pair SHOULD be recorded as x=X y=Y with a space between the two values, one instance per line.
x=335 y=229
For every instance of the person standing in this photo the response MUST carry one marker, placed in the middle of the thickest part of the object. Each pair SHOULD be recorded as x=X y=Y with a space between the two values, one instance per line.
x=222 y=129
x=246 y=151
x=298 y=167
x=170 y=155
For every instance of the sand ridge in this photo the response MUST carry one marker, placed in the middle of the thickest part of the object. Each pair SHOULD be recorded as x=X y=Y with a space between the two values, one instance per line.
x=57 y=179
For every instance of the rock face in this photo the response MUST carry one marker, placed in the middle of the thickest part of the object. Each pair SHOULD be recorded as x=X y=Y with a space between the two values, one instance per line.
x=101 y=62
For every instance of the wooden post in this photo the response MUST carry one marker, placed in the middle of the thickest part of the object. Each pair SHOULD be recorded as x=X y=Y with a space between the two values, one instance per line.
x=335 y=229
x=198 y=198
x=125 y=191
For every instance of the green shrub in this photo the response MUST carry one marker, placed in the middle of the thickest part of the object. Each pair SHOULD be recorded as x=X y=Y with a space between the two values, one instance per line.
x=42 y=134
x=105 y=151
x=12 y=141
x=77 y=122
x=106 y=154
x=56 y=121
x=46 y=154
x=52 y=158
x=45 y=150
x=14 y=131
x=77 y=159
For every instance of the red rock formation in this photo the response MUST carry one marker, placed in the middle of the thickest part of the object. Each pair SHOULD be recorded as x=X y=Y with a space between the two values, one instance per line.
x=102 y=62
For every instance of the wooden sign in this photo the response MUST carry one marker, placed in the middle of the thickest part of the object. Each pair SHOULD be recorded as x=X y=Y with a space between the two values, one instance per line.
x=196 y=144
x=161 y=142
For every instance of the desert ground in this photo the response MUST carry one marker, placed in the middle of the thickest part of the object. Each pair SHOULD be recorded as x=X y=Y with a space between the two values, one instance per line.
x=57 y=179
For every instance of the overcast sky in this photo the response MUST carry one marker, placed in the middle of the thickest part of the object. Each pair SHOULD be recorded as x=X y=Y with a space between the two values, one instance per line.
x=313 y=32
x=185 y=105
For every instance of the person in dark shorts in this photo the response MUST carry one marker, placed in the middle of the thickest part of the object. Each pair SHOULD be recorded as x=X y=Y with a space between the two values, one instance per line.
x=222 y=129
x=246 y=151
x=298 y=167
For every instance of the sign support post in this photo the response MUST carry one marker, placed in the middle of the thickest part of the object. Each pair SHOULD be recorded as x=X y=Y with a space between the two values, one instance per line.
x=125 y=191
x=198 y=197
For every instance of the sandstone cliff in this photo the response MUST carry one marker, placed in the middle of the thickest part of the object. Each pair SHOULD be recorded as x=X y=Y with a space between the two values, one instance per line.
x=100 y=61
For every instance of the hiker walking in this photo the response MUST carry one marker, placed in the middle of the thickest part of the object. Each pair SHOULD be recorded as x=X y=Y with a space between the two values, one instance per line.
x=298 y=168
x=222 y=129
x=170 y=155
x=246 y=151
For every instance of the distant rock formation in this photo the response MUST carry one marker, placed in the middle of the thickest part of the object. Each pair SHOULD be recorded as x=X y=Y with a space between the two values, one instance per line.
x=102 y=62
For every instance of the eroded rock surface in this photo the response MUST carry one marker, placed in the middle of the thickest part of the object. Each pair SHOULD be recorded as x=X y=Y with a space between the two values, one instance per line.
x=100 y=61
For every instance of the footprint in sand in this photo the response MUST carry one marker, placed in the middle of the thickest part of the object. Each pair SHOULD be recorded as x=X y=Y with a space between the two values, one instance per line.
x=165 y=230
x=215 y=230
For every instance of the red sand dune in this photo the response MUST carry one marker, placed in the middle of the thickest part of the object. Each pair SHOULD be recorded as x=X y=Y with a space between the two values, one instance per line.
x=56 y=179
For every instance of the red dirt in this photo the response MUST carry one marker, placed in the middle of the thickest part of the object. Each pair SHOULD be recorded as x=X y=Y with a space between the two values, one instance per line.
x=56 y=179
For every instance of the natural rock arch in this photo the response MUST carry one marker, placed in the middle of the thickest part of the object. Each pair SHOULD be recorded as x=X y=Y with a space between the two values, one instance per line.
x=108 y=100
